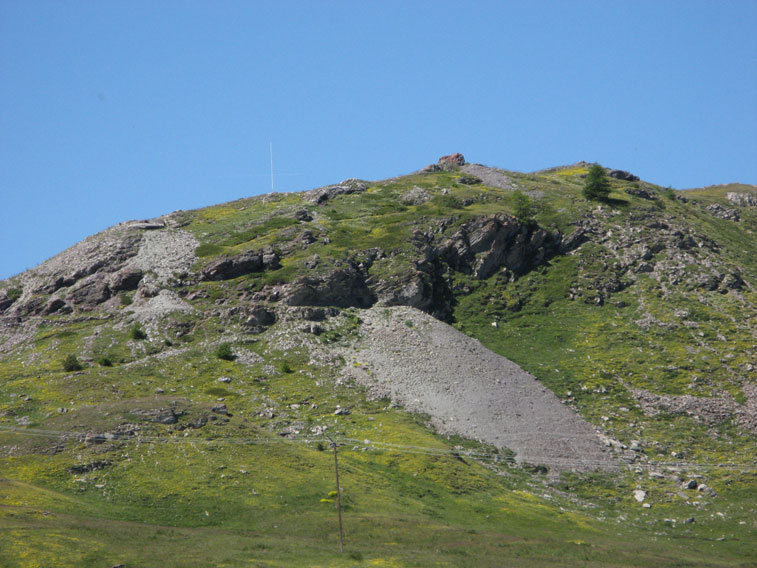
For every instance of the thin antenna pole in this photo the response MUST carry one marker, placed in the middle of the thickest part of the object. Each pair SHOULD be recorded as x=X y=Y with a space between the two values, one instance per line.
x=271 y=146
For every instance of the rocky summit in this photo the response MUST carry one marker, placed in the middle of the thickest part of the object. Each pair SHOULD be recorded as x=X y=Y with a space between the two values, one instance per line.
x=503 y=368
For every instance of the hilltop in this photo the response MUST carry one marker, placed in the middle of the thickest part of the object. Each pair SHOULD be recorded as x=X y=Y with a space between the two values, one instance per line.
x=513 y=371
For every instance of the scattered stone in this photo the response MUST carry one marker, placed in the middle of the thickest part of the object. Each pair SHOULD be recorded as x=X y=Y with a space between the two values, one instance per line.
x=86 y=468
x=342 y=411
x=220 y=409
x=224 y=379
x=157 y=415
x=640 y=495
x=690 y=484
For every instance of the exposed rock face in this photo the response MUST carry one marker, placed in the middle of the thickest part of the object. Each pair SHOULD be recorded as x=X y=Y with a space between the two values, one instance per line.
x=325 y=194
x=343 y=287
x=126 y=279
x=742 y=199
x=247 y=262
x=480 y=247
x=487 y=244
x=5 y=301
x=93 y=292
x=258 y=319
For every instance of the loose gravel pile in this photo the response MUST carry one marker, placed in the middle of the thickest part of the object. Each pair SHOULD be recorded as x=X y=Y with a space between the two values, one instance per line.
x=428 y=366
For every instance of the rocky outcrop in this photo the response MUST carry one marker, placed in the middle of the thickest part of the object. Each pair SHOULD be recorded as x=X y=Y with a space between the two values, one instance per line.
x=640 y=192
x=126 y=279
x=487 y=244
x=343 y=287
x=248 y=262
x=91 y=293
x=258 y=318
x=622 y=175
x=456 y=159
x=449 y=163
x=742 y=199
x=724 y=212
x=325 y=194
x=5 y=301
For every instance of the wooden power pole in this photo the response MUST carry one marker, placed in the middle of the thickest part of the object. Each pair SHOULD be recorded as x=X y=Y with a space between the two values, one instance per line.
x=338 y=495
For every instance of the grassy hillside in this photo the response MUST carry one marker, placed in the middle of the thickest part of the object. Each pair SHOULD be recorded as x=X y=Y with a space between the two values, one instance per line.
x=162 y=450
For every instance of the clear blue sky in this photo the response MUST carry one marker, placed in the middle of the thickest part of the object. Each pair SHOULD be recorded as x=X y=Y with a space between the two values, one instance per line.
x=122 y=110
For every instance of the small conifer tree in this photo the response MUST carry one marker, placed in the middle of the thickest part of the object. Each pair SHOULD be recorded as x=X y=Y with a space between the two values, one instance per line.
x=596 y=185
x=523 y=208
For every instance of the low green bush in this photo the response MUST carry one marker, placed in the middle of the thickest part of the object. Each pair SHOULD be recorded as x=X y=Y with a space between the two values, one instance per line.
x=71 y=363
x=137 y=333
x=224 y=352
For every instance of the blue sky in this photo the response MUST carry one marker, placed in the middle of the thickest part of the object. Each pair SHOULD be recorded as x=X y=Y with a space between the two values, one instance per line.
x=121 y=110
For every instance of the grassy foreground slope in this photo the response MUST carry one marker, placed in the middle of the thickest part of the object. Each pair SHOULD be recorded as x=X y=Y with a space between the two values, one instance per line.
x=158 y=452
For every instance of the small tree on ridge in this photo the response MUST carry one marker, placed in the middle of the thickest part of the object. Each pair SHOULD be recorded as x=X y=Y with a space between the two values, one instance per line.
x=596 y=185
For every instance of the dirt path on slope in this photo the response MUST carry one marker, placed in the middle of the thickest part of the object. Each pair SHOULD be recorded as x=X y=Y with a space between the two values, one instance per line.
x=469 y=390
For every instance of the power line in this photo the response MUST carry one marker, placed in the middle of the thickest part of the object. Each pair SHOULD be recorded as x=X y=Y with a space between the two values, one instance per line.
x=379 y=446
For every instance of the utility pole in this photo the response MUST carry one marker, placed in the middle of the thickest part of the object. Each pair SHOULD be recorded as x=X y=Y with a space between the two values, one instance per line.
x=338 y=495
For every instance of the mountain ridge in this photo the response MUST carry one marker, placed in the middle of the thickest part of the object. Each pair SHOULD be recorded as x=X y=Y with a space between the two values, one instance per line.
x=276 y=318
